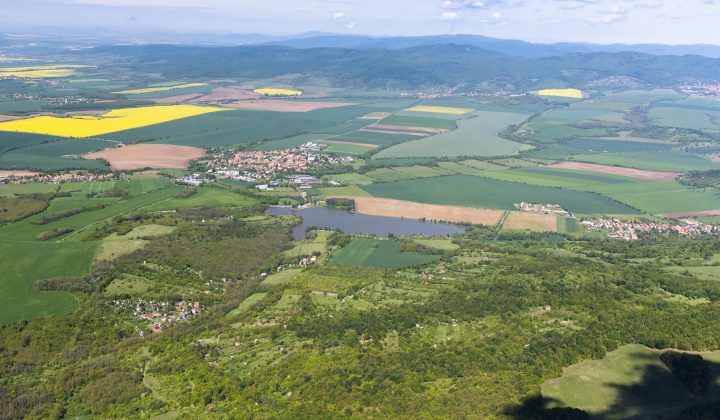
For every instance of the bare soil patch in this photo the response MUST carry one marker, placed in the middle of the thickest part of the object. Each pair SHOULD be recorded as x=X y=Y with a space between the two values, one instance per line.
x=229 y=93
x=137 y=156
x=692 y=214
x=536 y=222
x=286 y=106
x=394 y=132
x=403 y=127
x=89 y=112
x=410 y=210
x=222 y=81
x=4 y=118
x=376 y=115
x=172 y=99
x=18 y=173
x=615 y=170
x=348 y=142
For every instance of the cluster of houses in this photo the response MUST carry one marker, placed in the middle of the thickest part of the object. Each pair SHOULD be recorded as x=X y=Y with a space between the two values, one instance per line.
x=193 y=179
x=629 y=230
x=157 y=313
x=260 y=166
x=54 y=179
x=701 y=89
x=542 y=208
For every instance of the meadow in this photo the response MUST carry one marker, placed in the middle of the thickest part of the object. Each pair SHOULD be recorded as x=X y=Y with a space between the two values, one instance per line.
x=377 y=253
x=685 y=117
x=615 y=146
x=493 y=194
x=673 y=161
x=115 y=120
x=206 y=196
x=475 y=136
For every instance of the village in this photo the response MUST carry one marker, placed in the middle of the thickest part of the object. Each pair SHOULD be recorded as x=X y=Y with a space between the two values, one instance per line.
x=262 y=166
x=157 y=313
x=24 y=178
x=629 y=230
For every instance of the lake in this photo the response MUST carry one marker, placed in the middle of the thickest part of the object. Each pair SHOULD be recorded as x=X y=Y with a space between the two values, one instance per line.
x=349 y=222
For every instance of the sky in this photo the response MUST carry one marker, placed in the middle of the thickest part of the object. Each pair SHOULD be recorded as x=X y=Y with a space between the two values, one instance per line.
x=598 y=21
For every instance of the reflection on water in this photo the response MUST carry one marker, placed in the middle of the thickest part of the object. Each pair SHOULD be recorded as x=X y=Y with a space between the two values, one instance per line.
x=350 y=222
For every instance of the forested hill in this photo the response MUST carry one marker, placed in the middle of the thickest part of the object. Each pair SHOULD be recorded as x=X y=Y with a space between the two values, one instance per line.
x=442 y=65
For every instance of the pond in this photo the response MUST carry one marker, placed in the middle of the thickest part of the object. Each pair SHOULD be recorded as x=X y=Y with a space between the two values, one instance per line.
x=349 y=222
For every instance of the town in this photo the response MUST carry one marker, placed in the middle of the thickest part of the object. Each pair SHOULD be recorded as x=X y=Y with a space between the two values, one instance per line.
x=629 y=230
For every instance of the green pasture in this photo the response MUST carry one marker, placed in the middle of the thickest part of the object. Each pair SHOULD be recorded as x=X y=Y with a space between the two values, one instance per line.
x=282 y=277
x=143 y=185
x=353 y=149
x=77 y=200
x=630 y=381
x=550 y=131
x=445 y=244
x=206 y=196
x=235 y=126
x=334 y=278
x=352 y=190
x=379 y=139
x=409 y=121
x=377 y=253
x=568 y=225
x=475 y=136
x=456 y=168
x=474 y=191
x=697 y=119
x=387 y=175
x=481 y=165
x=307 y=247
x=614 y=146
x=246 y=304
x=24 y=262
x=116 y=245
x=702 y=272
x=514 y=163
x=399 y=161
x=673 y=161
x=7 y=190
x=129 y=285
x=419 y=171
x=350 y=179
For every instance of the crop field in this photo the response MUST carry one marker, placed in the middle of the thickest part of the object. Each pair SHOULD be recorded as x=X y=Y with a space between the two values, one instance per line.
x=308 y=246
x=25 y=262
x=22 y=105
x=615 y=146
x=419 y=171
x=12 y=140
x=206 y=196
x=568 y=93
x=411 y=210
x=377 y=253
x=578 y=175
x=138 y=156
x=536 y=222
x=567 y=225
x=374 y=138
x=350 y=191
x=482 y=165
x=159 y=89
x=474 y=136
x=457 y=168
x=16 y=159
x=286 y=106
x=278 y=92
x=289 y=143
x=236 y=126
x=440 y=110
x=493 y=194
x=614 y=170
x=350 y=179
x=662 y=197
x=514 y=163
x=353 y=149
x=698 y=119
x=41 y=71
x=387 y=175
x=626 y=382
x=437 y=243
x=673 y=161
x=143 y=185
x=7 y=190
x=115 y=120
x=549 y=131
x=553 y=151
x=56 y=154
x=407 y=121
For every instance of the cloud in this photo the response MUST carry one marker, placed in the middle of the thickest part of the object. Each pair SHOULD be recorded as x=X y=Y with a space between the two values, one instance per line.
x=573 y=5
x=495 y=19
x=616 y=10
x=607 y=19
x=452 y=5
x=650 y=4
x=341 y=19
x=448 y=16
x=481 y=4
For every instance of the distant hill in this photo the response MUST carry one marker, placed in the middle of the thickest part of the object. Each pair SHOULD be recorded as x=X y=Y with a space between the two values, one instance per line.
x=428 y=66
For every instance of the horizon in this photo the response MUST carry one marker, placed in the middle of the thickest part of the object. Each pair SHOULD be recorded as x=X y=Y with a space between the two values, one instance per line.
x=536 y=21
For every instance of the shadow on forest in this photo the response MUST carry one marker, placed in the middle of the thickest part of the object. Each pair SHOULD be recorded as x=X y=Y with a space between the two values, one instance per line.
x=659 y=394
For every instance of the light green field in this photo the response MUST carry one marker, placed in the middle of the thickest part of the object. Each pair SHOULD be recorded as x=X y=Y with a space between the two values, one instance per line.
x=456 y=167
x=246 y=304
x=353 y=149
x=206 y=196
x=350 y=179
x=9 y=190
x=684 y=118
x=418 y=171
x=482 y=165
x=282 y=277
x=438 y=243
x=308 y=246
x=703 y=272
x=626 y=382
x=377 y=253
x=660 y=161
x=661 y=197
x=474 y=137
x=514 y=163
x=352 y=191
x=387 y=175
x=115 y=246
x=129 y=286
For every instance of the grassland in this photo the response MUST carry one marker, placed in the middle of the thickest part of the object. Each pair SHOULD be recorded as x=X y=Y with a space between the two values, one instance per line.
x=628 y=381
x=474 y=137
x=7 y=190
x=673 y=161
x=685 y=117
x=493 y=194
x=438 y=243
x=387 y=175
x=615 y=146
x=246 y=304
x=409 y=121
x=350 y=179
x=116 y=120
x=115 y=246
x=534 y=222
x=377 y=253
x=206 y=196
x=307 y=247
x=351 y=191
x=282 y=277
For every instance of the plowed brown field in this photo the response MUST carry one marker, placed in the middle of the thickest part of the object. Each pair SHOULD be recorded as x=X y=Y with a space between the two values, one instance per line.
x=137 y=156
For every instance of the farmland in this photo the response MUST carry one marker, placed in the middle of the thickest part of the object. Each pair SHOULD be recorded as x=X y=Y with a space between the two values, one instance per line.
x=440 y=109
x=159 y=89
x=278 y=92
x=377 y=253
x=140 y=156
x=568 y=93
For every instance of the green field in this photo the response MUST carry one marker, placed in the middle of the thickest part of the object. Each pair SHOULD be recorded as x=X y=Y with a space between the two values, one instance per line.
x=474 y=137
x=13 y=140
x=419 y=171
x=12 y=189
x=409 y=121
x=143 y=185
x=481 y=165
x=290 y=142
x=206 y=196
x=457 y=168
x=246 y=304
x=615 y=146
x=387 y=175
x=377 y=253
x=626 y=382
x=352 y=190
x=352 y=149
x=282 y=277
x=350 y=179
x=369 y=137
x=115 y=245
x=473 y=191
x=673 y=161
x=684 y=117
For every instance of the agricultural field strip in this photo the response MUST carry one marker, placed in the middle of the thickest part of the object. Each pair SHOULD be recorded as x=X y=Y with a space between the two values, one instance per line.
x=158 y=89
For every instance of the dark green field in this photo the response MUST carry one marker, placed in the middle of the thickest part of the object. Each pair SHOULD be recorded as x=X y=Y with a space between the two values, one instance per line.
x=12 y=139
x=377 y=253
x=597 y=145
x=473 y=191
x=419 y=122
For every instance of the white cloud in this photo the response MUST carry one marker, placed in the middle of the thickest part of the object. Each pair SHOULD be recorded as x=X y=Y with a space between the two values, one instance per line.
x=650 y=4
x=448 y=16
x=573 y=5
x=452 y=5
x=607 y=19
x=495 y=19
x=338 y=16
x=342 y=19
x=616 y=10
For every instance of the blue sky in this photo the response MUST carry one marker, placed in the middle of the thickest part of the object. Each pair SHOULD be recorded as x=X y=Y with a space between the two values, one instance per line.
x=600 y=21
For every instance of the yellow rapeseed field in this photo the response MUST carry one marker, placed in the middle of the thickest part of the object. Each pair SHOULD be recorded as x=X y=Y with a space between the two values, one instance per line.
x=272 y=92
x=115 y=120
x=440 y=109
x=158 y=89
x=40 y=71
x=568 y=93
